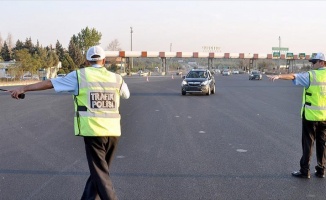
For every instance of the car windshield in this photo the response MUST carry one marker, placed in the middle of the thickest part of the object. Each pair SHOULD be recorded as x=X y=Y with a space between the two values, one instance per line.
x=202 y=74
x=197 y=74
x=255 y=72
x=192 y=75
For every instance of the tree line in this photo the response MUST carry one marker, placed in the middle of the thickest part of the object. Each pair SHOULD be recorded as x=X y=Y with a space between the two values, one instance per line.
x=30 y=57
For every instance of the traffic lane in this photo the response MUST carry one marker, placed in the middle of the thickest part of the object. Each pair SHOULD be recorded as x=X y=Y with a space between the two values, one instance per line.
x=40 y=156
x=243 y=142
x=209 y=178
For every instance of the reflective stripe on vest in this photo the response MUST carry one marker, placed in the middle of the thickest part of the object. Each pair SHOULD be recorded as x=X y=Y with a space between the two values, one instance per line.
x=314 y=97
x=104 y=115
x=97 y=103
x=96 y=84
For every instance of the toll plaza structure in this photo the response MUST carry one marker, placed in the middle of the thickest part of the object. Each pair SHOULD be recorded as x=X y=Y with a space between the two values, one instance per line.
x=211 y=56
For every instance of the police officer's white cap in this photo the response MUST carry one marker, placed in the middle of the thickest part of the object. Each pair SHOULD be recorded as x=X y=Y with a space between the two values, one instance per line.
x=318 y=56
x=95 y=53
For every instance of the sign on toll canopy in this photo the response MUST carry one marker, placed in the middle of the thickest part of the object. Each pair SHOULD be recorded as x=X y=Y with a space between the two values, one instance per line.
x=289 y=55
x=276 y=54
x=302 y=55
x=280 y=49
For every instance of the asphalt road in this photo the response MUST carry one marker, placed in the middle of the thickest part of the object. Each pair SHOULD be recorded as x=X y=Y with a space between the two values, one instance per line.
x=241 y=143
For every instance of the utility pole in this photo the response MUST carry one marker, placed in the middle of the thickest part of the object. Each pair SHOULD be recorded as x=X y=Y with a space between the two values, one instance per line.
x=277 y=54
x=279 y=45
x=132 y=61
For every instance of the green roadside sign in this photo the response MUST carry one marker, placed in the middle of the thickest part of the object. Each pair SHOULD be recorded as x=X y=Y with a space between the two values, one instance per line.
x=289 y=55
x=313 y=55
x=276 y=54
x=280 y=49
x=302 y=55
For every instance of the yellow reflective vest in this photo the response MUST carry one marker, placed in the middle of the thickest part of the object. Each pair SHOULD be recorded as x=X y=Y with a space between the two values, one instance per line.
x=97 y=103
x=314 y=97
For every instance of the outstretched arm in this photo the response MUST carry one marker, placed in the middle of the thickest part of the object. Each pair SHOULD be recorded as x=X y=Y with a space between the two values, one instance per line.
x=281 y=76
x=44 y=85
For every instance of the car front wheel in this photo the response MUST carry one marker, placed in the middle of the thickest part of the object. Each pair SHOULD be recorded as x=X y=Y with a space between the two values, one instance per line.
x=183 y=92
x=209 y=91
x=213 y=91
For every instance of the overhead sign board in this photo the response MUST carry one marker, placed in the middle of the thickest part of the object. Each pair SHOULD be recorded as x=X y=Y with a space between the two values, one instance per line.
x=302 y=55
x=289 y=55
x=280 y=49
x=313 y=55
x=276 y=54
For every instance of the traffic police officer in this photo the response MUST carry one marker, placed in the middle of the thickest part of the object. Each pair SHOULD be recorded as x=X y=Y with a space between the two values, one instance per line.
x=96 y=93
x=313 y=113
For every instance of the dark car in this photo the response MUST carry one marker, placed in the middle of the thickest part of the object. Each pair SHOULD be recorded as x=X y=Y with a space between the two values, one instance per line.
x=255 y=75
x=198 y=81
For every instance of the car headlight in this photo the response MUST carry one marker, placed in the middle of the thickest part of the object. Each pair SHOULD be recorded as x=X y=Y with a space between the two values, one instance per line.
x=184 y=83
x=204 y=83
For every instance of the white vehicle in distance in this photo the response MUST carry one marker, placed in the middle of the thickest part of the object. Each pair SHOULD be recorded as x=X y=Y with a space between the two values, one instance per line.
x=235 y=72
x=226 y=72
x=9 y=77
x=30 y=77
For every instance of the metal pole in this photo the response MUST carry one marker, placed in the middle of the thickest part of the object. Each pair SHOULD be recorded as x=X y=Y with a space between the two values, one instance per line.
x=170 y=58
x=279 y=45
x=121 y=65
x=132 y=61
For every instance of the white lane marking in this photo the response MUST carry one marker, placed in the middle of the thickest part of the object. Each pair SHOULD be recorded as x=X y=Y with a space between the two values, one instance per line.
x=120 y=156
x=241 y=150
x=202 y=132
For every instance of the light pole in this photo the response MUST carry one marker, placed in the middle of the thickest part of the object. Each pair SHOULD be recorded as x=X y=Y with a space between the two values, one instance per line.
x=279 y=58
x=132 y=61
x=170 y=57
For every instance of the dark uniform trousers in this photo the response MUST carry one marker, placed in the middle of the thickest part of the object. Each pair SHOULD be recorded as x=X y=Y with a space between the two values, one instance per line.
x=99 y=152
x=313 y=131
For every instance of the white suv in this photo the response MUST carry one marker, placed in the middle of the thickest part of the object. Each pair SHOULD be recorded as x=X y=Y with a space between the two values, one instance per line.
x=226 y=73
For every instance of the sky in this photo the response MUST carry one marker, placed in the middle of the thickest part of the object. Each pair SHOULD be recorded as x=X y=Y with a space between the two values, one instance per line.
x=177 y=26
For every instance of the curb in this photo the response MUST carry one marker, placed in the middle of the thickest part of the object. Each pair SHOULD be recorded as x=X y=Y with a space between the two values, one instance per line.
x=15 y=83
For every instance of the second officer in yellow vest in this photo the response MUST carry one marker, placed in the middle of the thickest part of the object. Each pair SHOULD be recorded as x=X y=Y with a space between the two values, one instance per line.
x=313 y=114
